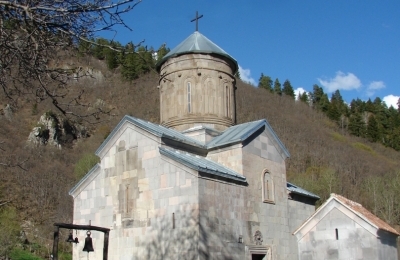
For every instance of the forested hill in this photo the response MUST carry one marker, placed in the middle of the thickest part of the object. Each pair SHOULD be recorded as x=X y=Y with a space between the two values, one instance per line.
x=325 y=158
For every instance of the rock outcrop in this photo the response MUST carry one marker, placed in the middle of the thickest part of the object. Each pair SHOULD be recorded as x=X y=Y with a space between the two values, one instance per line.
x=55 y=131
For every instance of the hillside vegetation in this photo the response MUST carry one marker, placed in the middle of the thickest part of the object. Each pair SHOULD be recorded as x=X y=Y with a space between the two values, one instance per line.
x=324 y=157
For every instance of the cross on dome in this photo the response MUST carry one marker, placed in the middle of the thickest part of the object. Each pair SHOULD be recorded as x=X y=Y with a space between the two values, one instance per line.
x=197 y=20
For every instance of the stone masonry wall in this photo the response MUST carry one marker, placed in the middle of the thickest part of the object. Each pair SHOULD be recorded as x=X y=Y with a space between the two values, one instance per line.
x=211 y=92
x=353 y=241
x=149 y=203
x=233 y=210
x=298 y=212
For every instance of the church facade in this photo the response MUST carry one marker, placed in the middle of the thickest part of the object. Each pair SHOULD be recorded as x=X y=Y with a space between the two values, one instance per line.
x=195 y=186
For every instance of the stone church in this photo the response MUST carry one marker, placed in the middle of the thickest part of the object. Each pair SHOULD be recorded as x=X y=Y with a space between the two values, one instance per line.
x=197 y=185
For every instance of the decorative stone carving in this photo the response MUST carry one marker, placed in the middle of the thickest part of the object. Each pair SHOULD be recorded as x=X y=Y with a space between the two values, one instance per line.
x=258 y=238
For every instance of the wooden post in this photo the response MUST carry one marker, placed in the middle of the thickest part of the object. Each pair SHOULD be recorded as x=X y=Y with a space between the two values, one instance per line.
x=55 y=243
x=105 y=246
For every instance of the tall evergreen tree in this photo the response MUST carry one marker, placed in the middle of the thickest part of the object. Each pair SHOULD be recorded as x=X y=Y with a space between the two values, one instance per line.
x=372 y=132
x=304 y=97
x=277 y=87
x=265 y=82
x=162 y=51
x=319 y=99
x=357 y=125
x=336 y=107
x=288 y=89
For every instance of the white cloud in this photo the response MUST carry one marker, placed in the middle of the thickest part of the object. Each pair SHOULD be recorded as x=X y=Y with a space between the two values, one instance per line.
x=391 y=100
x=245 y=75
x=298 y=92
x=341 y=81
x=374 y=86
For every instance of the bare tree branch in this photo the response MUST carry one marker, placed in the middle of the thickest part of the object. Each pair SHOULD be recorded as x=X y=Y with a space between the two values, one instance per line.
x=33 y=35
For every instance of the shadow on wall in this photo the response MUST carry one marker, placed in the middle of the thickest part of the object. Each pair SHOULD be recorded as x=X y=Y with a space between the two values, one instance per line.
x=183 y=235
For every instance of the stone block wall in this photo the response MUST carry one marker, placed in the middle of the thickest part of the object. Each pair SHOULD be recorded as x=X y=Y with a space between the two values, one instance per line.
x=211 y=94
x=340 y=234
x=299 y=212
x=232 y=210
x=149 y=202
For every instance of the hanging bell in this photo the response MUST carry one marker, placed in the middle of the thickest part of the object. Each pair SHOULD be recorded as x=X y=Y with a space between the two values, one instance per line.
x=88 y=247
x=76 y=240
x=70 y=238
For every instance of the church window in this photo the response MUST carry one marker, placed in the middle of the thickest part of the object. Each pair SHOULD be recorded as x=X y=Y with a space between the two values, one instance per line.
x=227 y=100
x=268 y=187
x=189 y=97
x=337 y=233
x=127 y=199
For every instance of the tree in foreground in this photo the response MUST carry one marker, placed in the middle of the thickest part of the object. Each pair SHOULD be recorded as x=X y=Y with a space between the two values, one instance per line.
x=33 y=37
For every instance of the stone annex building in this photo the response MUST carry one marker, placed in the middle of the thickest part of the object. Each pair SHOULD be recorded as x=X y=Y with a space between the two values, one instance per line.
x=197 y=186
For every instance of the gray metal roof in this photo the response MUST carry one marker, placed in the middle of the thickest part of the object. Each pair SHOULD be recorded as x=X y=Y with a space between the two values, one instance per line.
x=239 y=133
x=196 y=43
x=157 y=130
x=201 y=164
x=232 y=135
x=296 y=189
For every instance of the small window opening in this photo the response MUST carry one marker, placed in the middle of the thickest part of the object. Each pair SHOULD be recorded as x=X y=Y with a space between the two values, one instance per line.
x=173 y=220
x=337 y=233
x=189 y=98
x=127 y=199
x=227 y=101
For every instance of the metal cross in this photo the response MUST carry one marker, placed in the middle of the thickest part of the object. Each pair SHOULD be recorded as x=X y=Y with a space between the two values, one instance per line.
x=197 y=20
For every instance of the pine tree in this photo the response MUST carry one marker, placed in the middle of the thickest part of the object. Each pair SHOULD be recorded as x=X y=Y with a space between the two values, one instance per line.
x=288 y=89
x=277 y=87
x=112 y=57
x=356 y=125
x=372 y=129
x=304 y=97
x=336 y=107
x=162 y=51
x=98 y=50
x=265 y=82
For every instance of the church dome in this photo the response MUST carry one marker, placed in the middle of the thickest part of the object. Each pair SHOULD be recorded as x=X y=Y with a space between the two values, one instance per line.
x=197 y=85
x=197 y=43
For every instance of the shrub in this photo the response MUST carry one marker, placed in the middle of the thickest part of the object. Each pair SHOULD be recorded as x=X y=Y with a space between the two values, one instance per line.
x=20 y=254
x=85 y=164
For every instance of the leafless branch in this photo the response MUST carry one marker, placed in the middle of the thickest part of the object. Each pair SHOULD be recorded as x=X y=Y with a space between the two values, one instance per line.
x=33 y=34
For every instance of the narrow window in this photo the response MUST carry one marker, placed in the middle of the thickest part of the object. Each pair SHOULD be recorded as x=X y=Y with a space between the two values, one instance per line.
x=173 y=220
x=337 y=233
x=189 y=98
x=268 y=187
x=227 y=100
x=127 y=199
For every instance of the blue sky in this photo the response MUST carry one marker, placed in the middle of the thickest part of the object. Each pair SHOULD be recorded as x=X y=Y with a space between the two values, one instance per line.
x=350 y=45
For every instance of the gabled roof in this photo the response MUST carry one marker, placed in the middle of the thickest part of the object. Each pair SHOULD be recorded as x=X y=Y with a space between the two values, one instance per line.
x=239 y=133
x=196 y=43
x=202 y=164
x=364 y=213
x=157 y=130
x=232 y=135
x=296 y=189
x=357 y=209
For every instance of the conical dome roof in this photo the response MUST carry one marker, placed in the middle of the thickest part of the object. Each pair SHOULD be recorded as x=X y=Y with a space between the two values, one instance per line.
x=197 y=43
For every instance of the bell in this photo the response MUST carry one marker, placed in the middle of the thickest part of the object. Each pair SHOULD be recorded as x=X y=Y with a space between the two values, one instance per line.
x=88 y=247
x=76 y=240
x=70 y=238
